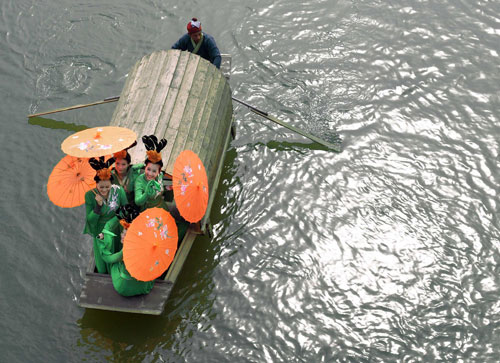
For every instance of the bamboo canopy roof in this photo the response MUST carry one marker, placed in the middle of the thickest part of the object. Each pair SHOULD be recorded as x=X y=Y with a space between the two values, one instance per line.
x=181 y=97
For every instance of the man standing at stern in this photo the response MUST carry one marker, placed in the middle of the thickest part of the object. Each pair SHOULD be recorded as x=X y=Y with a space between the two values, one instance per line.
x=197 y=42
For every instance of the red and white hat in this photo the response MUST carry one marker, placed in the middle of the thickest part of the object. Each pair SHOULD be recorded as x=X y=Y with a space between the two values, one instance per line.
x=194 y=26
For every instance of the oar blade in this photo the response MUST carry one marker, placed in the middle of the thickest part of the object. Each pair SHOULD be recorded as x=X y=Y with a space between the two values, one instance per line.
x=327 y=144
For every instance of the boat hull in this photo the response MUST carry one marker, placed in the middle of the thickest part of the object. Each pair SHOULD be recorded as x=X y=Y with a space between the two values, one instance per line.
x=181 y=97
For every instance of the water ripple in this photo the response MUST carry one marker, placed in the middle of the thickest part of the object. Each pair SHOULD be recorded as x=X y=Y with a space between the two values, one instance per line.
x=388 y=251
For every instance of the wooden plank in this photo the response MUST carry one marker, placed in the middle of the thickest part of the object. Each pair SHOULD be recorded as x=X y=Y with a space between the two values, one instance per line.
x=149 y=90
x=213 y=121
x=211 y=132
x=166 y=113
x=180 y=257
x=218 y=144
x=200 y=107
x=204 y=123
x=180 y=107
x=185 y=107
x=161 y=91
x=177 y=145
x=143 y=92
x=226 y=121
x=122 y=108
x=216 y=141
x=183 y=95
x=170 y=134
x=98 y=293
x=193 y=103
x=213 y=190
x=135 y=94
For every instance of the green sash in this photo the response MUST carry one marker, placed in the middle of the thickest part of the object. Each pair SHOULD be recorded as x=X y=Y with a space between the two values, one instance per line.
x=196 y=46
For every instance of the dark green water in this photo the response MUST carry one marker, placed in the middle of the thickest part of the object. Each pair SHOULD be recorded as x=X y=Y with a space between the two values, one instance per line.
x=386 y=252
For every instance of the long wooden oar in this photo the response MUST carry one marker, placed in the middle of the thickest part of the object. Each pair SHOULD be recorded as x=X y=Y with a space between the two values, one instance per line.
x=106 y=100
x=252 y=108
x=290 y=127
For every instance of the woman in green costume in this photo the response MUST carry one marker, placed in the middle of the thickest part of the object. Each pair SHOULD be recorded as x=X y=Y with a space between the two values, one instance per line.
x=113 y=232
x=149 y=185
x=125 y=174
x=101 y=204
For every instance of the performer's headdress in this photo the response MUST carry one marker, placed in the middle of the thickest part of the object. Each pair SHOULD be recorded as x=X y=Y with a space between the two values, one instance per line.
x=102 y=168
x=153 y=148
x=127 y=213
x=124 y=154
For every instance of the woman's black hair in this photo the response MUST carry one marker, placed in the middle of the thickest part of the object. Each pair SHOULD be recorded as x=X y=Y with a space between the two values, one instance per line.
x=151 y=143
x=128 y=212
x=98 y=164
x=127 y=157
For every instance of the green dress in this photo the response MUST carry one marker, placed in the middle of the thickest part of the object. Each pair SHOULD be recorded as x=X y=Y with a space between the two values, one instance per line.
x=149 y=194
x=109 y=248
x=97 y=216
x=128 y=183
x=123 y=283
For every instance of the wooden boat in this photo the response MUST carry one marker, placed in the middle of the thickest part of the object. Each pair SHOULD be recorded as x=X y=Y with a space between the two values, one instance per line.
x=185 y=99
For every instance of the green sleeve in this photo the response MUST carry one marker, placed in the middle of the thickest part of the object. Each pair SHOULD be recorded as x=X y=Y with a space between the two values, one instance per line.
x=140 y=191
x=137 y=167
x=91 y=217
x=111 y=231
x=109 y=257
x=135 y=171
x=122 y=197
x=115 y=178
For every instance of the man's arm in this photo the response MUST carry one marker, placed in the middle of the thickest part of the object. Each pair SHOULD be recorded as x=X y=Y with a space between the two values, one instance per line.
x=213 y=52
x=182 y=43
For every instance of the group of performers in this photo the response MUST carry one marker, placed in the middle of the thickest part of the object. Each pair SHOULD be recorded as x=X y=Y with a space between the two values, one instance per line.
x=121 y=193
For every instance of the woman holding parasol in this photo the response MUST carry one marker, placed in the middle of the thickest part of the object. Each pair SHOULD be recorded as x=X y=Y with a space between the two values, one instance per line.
x=101 y=204
x=149 y=185
x=114 y=232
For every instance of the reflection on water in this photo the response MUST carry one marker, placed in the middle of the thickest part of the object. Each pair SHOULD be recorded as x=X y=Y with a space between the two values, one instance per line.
x=54 y=124
x=388 y=251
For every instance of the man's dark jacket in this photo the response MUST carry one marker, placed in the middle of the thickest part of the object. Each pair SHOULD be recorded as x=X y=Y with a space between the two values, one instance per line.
x=208 y=48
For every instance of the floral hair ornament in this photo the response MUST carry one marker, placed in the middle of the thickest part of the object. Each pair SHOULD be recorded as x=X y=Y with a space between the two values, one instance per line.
x=102 y=167
x=153 y=156
x=153 y=147
x=104 y=174
x=120 y=154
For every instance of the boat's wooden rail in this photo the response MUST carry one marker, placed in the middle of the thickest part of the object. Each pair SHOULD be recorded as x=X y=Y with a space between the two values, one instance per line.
x=98 y=293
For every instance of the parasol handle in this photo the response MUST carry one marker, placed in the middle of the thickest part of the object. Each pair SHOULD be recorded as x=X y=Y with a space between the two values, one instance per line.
x=93 y=191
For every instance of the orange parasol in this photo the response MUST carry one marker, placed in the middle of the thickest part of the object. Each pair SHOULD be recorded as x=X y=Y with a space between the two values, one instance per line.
x=70 y=179
x=150 y=244
x=98 y=141
x=190 y=186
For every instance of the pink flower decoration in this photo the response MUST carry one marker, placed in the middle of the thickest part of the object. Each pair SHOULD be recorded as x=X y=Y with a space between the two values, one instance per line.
x=164 y=232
